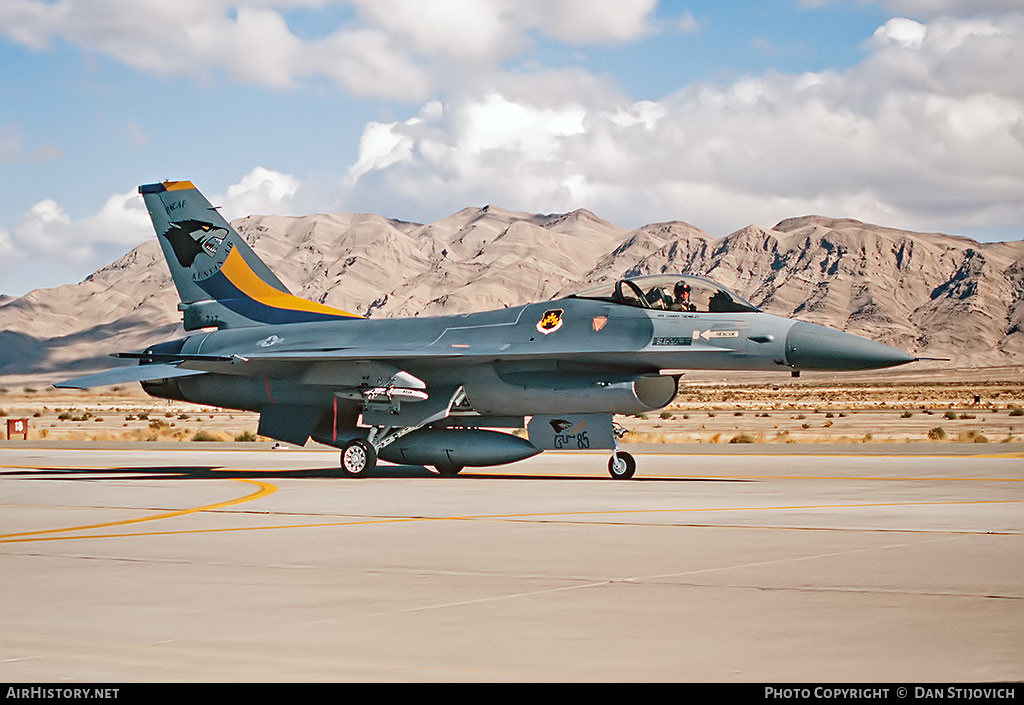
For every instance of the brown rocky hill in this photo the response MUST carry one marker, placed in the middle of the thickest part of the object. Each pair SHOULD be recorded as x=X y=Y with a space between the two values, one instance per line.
x=932 y=294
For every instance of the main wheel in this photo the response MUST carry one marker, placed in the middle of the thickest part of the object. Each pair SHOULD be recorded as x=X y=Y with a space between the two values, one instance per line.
x=448 y=470
x=621 y=465
x=358 y=458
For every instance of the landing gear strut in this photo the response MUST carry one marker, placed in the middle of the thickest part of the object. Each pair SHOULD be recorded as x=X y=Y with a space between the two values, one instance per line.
x=621 y=465
x=358 y=458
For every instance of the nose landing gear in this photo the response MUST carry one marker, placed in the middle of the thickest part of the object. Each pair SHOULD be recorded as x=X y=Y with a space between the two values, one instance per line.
x=621 y=466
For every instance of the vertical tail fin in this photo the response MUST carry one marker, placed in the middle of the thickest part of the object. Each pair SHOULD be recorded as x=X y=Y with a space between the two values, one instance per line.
x=220 y=280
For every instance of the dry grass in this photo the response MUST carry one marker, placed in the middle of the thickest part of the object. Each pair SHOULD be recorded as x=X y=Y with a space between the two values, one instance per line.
x=789 y=412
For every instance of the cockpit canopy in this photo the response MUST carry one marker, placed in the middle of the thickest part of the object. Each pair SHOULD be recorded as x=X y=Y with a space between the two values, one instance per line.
x=671 y=292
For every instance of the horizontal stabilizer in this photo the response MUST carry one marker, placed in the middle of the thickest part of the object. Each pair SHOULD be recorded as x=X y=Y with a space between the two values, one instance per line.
x=142 y=373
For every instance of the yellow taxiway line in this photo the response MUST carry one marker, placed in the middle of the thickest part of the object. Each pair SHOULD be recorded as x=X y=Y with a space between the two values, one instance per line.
x=268 y=489
x=265 y=488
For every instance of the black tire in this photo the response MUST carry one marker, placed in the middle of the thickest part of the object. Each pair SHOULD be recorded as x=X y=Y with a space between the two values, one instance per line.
x=621 y=465
x=358 y=458
x=448 y=470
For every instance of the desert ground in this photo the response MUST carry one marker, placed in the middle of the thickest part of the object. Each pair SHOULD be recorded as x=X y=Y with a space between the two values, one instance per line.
x=929 y=406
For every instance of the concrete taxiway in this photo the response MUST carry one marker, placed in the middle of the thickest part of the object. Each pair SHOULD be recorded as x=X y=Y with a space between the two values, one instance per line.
x=205 y=562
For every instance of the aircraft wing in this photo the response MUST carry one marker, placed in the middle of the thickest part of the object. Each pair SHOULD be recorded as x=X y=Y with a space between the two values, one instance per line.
x=120 y=375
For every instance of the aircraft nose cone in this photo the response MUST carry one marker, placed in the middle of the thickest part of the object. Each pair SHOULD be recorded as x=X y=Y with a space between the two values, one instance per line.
x=814 y=347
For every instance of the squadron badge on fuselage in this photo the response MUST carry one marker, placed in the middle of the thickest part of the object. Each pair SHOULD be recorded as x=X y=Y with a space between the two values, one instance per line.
x=550 y=321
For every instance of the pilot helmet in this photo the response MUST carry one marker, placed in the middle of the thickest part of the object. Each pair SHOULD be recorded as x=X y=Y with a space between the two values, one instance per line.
x=682 y=288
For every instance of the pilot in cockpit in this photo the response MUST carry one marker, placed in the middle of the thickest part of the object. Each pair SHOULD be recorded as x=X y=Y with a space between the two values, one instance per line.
x=682 y=302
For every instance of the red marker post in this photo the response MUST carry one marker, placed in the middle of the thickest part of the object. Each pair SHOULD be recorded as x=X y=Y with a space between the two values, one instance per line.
x=17 y=427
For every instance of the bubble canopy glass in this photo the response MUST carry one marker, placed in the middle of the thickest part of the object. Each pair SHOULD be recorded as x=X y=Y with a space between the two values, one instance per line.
x=667 y=292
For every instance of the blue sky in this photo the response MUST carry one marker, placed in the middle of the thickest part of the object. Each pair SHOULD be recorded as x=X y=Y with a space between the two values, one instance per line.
x=907 y=113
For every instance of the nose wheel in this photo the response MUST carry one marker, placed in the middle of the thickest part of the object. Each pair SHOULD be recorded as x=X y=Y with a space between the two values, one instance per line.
x=621 y=466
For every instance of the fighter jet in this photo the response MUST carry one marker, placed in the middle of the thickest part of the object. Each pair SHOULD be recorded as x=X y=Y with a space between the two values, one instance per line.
x=431 y=391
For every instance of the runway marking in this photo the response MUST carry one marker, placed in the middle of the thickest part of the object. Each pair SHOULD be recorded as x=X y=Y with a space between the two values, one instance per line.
x=640 y=579
x=19 y=538
x=265 y=488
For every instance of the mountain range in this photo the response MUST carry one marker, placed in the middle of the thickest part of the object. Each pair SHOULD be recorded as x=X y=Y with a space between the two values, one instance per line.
x=931 y=294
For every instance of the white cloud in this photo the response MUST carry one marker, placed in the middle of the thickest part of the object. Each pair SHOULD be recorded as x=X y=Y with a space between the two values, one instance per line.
x=901 y=31
x=6 y=248
x=403 y=49
x=47 y=247
x=461 y=29
x=927 y=132
x=586 y=22
x=47 y=233
x=261 y=191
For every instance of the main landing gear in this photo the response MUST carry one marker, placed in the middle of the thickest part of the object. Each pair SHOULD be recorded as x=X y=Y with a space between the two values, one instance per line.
x=358 y=458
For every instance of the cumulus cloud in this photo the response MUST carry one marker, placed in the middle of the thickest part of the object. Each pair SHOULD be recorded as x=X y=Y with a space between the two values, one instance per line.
x=261 y=191
x=902 y=32
x=48 y=233
x=47 y=247
x=403 y=49
x=926 y=133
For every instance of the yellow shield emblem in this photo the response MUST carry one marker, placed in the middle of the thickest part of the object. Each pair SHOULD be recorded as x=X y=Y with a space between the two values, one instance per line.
x=550 y=321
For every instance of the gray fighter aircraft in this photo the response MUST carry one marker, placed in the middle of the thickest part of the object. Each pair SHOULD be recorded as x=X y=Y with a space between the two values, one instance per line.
x=431 y=391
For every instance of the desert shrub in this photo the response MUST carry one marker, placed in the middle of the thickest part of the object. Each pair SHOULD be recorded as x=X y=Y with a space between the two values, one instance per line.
x=1016 y=411
x=937 y=434
x=972 y=437
x=203 y=436
x=666 y=414
x=246 y=437
x=742 y=438
x=950 y=415
x=906 y=414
